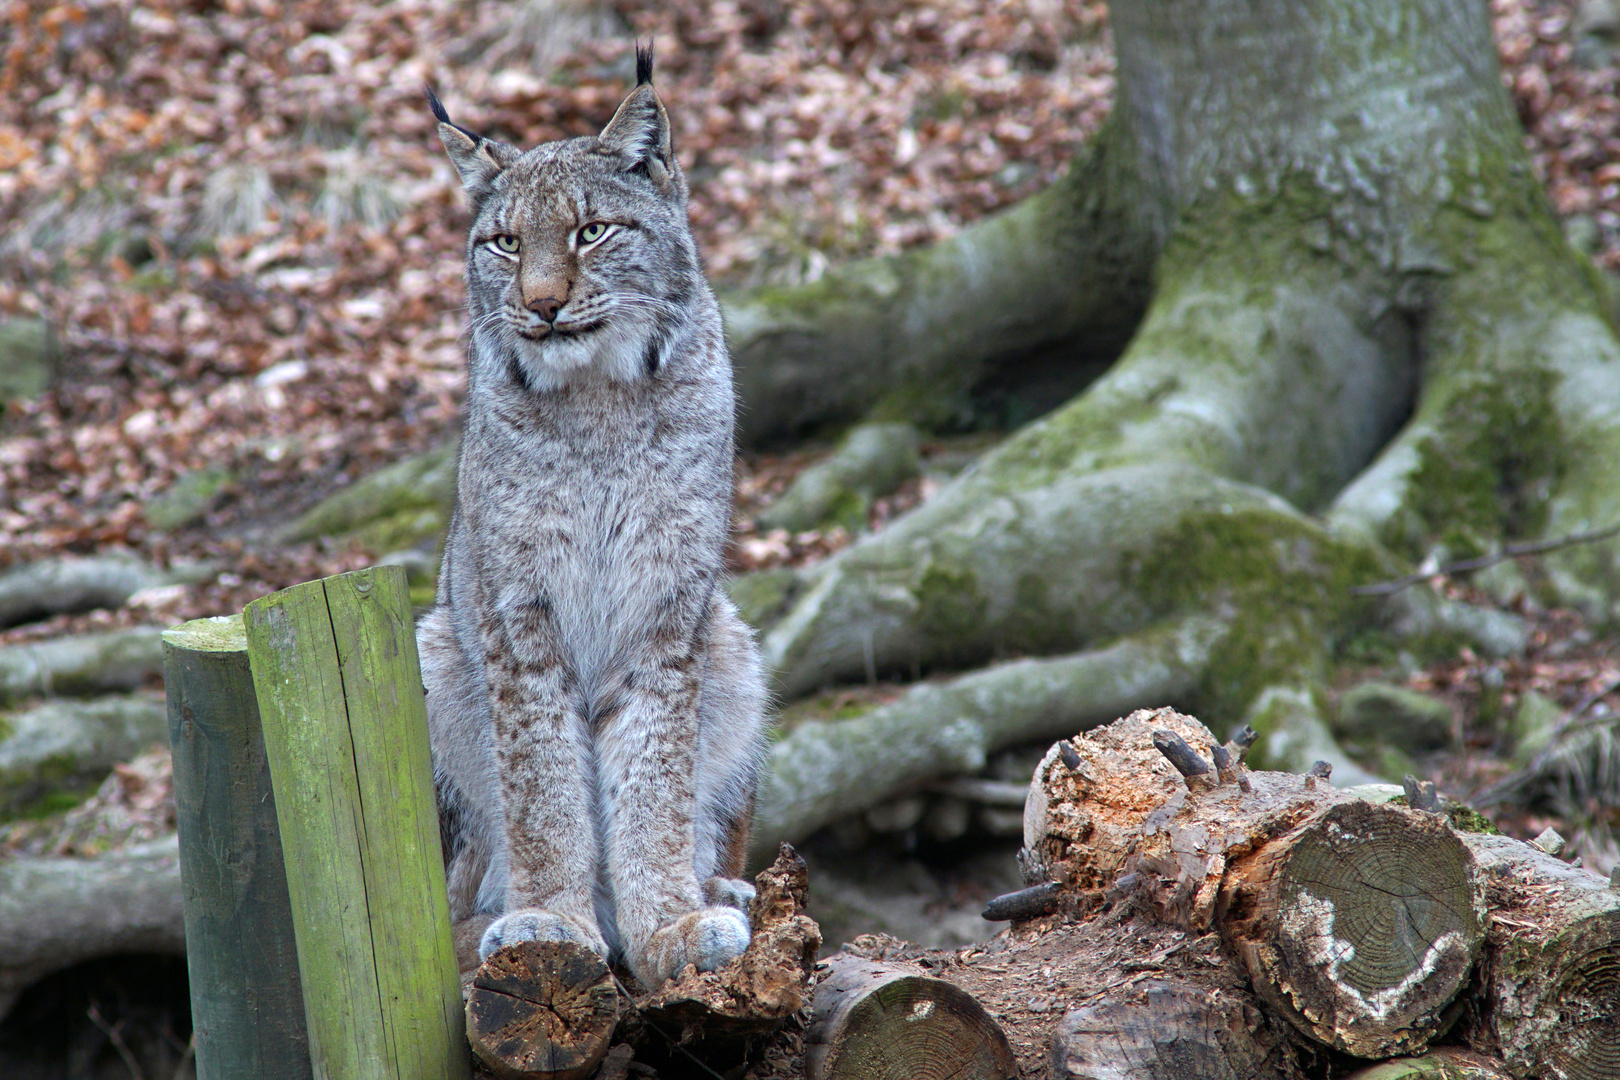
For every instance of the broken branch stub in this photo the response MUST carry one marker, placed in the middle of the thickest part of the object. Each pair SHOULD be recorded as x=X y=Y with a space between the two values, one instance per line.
x=718 y=1014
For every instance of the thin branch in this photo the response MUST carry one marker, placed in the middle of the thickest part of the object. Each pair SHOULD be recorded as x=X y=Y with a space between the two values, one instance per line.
x=117 y=1040
x=1567 y=724
x=1464 y=566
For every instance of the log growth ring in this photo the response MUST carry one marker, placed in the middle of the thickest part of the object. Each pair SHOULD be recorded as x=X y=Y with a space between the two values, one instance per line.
x=1585 y=1044
x=1382 y=919
x=918 y=1028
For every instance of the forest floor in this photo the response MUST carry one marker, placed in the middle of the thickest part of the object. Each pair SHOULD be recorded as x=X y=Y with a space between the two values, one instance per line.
x=239 y=225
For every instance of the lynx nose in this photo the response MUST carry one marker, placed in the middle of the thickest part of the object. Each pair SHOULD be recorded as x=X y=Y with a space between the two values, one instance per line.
x=547 y=308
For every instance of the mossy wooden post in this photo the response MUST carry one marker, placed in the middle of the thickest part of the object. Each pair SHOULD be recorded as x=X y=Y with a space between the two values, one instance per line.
x=345 y=724
x=247 y=1009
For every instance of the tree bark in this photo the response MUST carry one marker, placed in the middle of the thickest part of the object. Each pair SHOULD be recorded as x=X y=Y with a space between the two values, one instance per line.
x=872 y=1020
x=1048 y=289
x=88 y=664
x=56 y=586
x=65 y=744
x=1167 y=1030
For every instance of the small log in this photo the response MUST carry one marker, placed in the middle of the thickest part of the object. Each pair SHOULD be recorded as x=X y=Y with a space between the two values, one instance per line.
x=1357 y=923
x=1550 y=979
x=1168 y=1029
x=872 y=1020
x=542 y=1010
x=247 y=1005
x=717 y=1015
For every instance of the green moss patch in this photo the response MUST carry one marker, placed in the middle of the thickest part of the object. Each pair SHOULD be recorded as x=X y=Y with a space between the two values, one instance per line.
x=1283 y=583
x=1487 y=475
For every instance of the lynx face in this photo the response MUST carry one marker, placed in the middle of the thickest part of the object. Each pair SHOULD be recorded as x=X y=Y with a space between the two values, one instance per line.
x=579 y=257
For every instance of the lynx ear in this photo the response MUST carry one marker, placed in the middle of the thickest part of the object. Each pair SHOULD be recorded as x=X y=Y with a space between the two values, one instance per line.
x=477 y=159
x=639 y=132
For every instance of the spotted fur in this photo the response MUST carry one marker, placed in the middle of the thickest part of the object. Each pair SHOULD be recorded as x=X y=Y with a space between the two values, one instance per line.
x=595 y=702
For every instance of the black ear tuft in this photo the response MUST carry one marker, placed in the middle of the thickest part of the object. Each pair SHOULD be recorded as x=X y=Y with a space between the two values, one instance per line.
x=438 y=108
x=644 y=64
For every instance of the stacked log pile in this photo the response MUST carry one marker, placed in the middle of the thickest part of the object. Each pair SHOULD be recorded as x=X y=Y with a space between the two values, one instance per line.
x=1188 y=918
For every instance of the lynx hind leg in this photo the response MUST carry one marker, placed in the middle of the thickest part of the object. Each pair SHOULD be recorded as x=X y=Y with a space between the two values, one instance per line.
x=707 y=938
x=731 y=746
x=537 y=924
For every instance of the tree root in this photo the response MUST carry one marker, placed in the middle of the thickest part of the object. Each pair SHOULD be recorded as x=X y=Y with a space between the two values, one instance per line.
x=57 y=912
x=88 y=664
x=825 y=770
x=58 y=586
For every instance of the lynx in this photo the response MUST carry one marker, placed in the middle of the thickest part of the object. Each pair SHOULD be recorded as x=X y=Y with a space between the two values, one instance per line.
x=596 y=704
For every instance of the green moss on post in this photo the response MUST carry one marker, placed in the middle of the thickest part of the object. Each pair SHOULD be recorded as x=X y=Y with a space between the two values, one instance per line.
x=345 y=724
x=247 y=1008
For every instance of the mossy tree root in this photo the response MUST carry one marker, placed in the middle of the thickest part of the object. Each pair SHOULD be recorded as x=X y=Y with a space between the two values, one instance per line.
x=906 y=337
x=824 y=770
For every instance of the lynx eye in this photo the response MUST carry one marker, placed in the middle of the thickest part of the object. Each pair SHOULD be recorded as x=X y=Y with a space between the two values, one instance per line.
x=507 y=244
x=593 y=232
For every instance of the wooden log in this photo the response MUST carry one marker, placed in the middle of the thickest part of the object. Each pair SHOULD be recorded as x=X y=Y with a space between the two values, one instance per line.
x=719 y=1015
x=340 y=693
x=542 y=1010
x=247 y=1006
x=1358 y=923
x=1168 y=1029
x=1549 y=998
x=875 y=1020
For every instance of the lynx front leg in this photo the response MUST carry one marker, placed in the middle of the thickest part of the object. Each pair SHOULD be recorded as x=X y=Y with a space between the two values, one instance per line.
x=647 y=758
x=543 y=751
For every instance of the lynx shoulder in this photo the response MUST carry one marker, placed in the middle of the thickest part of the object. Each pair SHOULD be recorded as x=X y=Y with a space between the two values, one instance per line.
x=595 y=703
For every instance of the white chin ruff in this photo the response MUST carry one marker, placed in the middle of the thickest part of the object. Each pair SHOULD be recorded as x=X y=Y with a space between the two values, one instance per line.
x=617 y=351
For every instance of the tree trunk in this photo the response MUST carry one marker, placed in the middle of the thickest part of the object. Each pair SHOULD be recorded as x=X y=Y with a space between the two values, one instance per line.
x=1363 y=307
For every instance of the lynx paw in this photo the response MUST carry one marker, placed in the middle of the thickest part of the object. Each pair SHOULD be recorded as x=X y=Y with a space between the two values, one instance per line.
x=536 y=924
x=708 y=937
x=729 y=892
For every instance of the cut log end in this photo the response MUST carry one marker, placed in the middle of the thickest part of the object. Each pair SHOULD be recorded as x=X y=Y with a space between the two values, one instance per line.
x=542 y=1010
x=1586 y=1045
x=874 y=1020
x=1367 y=929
